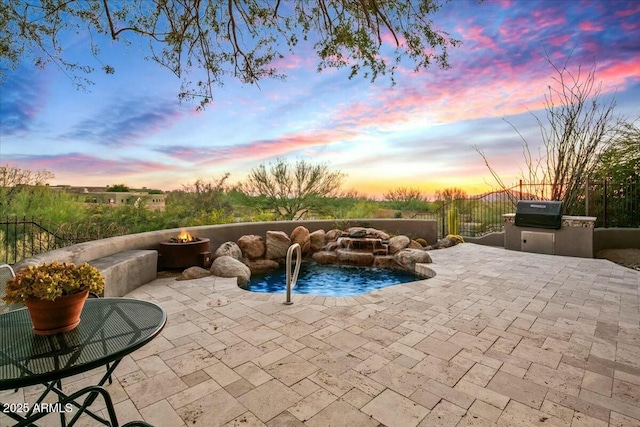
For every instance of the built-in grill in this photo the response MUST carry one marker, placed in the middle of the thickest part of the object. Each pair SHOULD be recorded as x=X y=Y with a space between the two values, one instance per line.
x=539 y=214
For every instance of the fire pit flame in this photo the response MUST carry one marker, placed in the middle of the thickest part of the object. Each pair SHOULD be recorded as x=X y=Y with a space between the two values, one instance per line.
x=184 y=237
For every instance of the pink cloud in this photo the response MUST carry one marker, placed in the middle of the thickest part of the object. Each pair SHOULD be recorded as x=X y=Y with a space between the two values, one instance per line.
x=477 y=38
x=516 y=30
x=291 y=62
x=258 y=150
x=633 y=10
x=590 y=26
x=68 y=167
x=388 y=39
x=558 y=41
x=505 y=90
x=618 y=75
x=543 y=18
x=263 y=149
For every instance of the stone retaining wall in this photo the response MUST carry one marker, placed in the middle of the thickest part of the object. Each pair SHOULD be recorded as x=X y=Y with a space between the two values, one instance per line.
x=218 y=234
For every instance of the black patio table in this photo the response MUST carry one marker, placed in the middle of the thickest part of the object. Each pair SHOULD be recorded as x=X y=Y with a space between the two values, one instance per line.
x=110 y=328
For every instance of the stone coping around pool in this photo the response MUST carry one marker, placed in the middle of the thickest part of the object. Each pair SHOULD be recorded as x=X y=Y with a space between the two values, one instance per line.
x=225 y=289
x=422 y=272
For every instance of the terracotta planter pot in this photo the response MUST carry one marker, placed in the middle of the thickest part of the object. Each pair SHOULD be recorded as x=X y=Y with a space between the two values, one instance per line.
x=59 y=315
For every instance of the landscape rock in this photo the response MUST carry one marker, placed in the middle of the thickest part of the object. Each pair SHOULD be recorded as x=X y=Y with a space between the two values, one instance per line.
x=258 y=266
x=362 y=259
x=408 y=258
x=375 y=233
x=252 y=246
x=277 y=244
x=228 y=249
x=300 y=235
x=385 y=261
x=447 y=242
x=398 y=243
x=356 y=232
x=332 y=235
x=325 y=257
x=227 y=266
x=194 y=273
x=414 y=245
x=316 y=240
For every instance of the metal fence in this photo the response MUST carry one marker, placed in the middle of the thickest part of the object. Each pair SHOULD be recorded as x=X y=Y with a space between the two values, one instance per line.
x=23 y=237
x=613 y=203
x=475 y=216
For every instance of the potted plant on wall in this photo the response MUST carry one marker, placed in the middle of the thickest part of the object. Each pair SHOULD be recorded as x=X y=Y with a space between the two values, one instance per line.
x=54 y=294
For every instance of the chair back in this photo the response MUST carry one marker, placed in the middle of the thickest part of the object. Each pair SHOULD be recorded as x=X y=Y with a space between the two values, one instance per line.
x=6 y=273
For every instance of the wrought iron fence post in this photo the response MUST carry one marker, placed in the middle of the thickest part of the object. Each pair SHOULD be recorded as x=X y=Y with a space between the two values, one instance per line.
x=520 y=198
x=443 y=219
x=586 y=196
x=604 y=203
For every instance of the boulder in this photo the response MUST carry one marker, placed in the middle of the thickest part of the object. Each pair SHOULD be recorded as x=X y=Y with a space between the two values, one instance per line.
x=398 y=243
x=378 y=234
x=451 y=240
x=325 y=257
x=422 y=242
x=300 y=235
x=356 y=232
x=316 y=240
x=385 y=261
x=332 y=235
x=227 y=266
x=228 y=249
x=258 y=266
x=277 y=244
x=194 y=273
x=361 y=259
x=408 y=258
x=447 y=242
x=414 y=245
x=252 y=246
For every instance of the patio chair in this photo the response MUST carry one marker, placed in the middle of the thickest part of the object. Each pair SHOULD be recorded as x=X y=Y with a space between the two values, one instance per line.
x=6 y=273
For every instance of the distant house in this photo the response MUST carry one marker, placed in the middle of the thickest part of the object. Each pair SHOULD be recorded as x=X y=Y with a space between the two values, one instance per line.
x=154 y=202
x=149 y=200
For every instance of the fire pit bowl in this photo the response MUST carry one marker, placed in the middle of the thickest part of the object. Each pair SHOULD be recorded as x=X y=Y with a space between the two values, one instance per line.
x=184 y=252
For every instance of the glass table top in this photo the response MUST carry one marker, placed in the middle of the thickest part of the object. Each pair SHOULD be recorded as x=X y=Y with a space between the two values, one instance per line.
x=110 y=328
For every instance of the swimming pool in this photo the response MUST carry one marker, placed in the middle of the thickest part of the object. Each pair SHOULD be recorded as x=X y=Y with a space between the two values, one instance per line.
x=331 y=280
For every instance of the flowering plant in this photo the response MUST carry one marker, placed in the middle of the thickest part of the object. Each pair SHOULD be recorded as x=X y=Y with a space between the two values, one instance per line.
x=53 y=280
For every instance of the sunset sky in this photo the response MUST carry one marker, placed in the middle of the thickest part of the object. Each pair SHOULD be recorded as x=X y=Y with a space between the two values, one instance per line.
x=131 y=129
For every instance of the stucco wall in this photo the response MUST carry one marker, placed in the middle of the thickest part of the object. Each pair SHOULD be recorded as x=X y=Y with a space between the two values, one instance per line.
x=88 y=251
x=615 y=238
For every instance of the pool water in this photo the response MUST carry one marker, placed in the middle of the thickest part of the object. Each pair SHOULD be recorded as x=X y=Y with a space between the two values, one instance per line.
x=331 y=280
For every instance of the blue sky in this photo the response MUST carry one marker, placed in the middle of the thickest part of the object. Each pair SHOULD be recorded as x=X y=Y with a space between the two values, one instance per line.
x=130 y=127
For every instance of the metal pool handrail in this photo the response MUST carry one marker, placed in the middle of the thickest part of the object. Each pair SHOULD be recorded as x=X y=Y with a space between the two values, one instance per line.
x=291 y=280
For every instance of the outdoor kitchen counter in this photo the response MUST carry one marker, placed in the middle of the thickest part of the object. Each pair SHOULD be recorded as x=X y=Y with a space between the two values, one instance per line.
x=574 y=238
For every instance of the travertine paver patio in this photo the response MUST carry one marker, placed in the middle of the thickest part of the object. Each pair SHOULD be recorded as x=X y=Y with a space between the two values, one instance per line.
x=497 y=337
